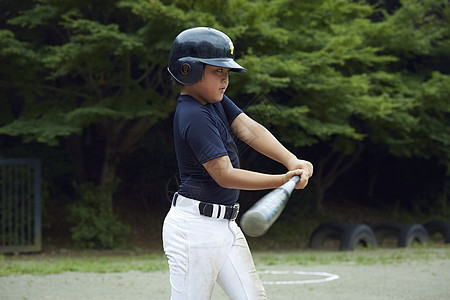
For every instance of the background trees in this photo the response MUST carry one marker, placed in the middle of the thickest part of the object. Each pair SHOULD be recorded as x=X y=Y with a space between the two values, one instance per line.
x=359 y=88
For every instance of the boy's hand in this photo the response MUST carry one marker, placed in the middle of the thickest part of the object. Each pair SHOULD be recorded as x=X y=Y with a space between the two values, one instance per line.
x=307 y=171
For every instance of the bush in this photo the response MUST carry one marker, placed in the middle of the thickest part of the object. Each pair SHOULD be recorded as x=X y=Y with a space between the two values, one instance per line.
x=96 y=225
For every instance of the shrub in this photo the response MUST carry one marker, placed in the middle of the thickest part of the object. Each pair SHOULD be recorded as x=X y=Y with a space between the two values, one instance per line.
x=96 y=226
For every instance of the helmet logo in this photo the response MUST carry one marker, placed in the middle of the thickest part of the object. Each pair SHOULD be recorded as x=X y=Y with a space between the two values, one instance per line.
x=231 y=48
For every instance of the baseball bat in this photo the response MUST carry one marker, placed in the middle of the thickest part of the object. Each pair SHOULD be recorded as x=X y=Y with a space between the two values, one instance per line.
x=258 y=219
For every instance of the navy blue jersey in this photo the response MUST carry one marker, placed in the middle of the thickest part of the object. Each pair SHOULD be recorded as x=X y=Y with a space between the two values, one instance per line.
x=203 y=133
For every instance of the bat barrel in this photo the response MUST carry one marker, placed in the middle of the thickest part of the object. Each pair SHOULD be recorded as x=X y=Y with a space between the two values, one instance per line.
x=258 y=219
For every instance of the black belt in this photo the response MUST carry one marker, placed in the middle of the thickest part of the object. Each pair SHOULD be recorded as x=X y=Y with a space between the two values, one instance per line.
x=206 y=209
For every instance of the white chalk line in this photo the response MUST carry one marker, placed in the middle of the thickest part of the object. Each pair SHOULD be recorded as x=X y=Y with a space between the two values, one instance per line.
x=327 y=277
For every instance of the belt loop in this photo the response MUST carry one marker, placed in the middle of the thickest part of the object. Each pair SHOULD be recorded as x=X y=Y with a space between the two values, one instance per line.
x=174 y=199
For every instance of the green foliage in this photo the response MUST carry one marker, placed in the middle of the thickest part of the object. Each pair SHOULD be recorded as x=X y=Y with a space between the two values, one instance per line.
x=435 y=116
x=92 y=71
x=96 y=226
x=417 y=28
x=339 y=73
x=317 y=58
x=418 y=35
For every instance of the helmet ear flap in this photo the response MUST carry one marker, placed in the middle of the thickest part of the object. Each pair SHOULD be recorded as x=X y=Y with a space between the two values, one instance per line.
x=187 y=71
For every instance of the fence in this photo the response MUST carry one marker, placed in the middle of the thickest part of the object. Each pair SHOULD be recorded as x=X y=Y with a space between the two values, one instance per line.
x=20 y=205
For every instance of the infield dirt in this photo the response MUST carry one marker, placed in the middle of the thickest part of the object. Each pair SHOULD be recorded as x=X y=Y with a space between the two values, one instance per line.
x=424 y=279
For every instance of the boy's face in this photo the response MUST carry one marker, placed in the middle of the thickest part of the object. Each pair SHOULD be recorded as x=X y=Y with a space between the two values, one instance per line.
x=211 y=87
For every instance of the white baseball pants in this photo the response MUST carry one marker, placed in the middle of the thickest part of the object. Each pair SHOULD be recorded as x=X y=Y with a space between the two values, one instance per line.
x=202 y=251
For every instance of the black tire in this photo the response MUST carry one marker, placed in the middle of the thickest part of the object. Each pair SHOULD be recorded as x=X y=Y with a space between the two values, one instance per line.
x=413 y=234
x=387 y=234
x=327 y=231
x=356 y=236
x=439 y=227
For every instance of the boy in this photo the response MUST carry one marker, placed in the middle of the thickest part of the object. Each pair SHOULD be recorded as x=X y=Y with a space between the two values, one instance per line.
x=201 y=239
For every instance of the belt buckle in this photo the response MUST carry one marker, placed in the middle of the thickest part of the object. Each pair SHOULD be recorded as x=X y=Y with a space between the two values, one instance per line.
x=235 y=212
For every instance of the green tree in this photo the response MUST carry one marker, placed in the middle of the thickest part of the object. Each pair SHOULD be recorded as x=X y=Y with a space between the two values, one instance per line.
x=83 y=72
x=418 y=35
x=340 y=77
x=75 y=68
x=313 y=59
x=91 y=74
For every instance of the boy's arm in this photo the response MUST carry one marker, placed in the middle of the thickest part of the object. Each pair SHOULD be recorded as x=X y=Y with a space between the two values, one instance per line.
x=260 y=139
x=223 y=172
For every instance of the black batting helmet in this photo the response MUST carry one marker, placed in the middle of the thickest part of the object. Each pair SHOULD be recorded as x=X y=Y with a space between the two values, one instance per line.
x=197 y=46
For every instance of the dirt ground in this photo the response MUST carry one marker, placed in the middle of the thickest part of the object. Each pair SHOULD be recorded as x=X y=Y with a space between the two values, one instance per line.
x=412 y=280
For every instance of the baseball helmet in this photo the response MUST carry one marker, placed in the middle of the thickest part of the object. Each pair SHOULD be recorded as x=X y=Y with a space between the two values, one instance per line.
x=196 y=47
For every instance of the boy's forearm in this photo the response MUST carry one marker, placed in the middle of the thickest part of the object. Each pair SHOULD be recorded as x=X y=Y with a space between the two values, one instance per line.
x=249 y=180
x=263 y=141
x=268 y=145
x=229 y=177
x=271 y=147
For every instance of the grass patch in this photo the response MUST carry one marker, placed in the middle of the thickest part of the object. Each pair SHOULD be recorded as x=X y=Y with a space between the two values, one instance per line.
x=103 y=262
x=96 y=264
x=363 y=257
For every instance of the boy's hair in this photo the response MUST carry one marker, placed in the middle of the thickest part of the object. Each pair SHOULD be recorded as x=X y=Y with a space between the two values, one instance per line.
x=195 y=47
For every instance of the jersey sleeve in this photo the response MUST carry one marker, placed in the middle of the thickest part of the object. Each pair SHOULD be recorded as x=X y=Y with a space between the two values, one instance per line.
x=231 y=109
x=203 y=137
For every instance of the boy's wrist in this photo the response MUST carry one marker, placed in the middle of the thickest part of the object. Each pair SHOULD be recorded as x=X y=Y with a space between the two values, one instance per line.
x=292 y=162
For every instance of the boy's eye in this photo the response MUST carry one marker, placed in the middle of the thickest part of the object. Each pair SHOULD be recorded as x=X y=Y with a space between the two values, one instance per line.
x=222 y=70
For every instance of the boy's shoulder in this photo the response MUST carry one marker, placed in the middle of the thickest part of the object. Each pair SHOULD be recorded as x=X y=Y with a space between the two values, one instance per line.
x=190 y=108
x=189 y=102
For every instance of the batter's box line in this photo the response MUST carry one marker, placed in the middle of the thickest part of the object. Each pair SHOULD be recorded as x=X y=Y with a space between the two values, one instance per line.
x=327 y=277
